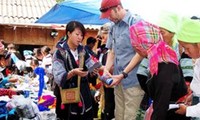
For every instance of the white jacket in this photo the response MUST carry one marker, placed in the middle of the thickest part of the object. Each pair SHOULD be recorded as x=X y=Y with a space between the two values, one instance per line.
x=194 y=111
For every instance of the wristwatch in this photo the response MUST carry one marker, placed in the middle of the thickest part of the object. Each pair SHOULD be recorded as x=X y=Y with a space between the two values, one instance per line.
x=125 y=74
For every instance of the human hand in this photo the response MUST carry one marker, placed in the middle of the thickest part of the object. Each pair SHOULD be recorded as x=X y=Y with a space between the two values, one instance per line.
x=13 y=79
x=116 y=79
x=182 y=109
x=95 y=72
x=80 y=72
x=188 y=100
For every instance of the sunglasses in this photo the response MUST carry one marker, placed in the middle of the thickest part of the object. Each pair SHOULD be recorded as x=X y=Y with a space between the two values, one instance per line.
x=107 y=8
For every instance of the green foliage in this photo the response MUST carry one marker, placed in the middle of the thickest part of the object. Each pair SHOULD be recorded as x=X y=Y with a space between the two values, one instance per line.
x=140 y=114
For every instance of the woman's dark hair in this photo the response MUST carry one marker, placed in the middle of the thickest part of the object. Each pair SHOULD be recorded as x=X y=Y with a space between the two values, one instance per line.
x=34 y=62
x=91 y=40
x=12 y=46
x=45 y=49
x=37 y=51
x=71 y=26
x=195 y=18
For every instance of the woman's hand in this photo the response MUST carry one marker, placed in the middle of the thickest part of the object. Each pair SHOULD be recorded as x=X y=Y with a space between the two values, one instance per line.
x=182 y=109
x=94 y=72
x=13 y=80
x=188 y=100
x=80 y=72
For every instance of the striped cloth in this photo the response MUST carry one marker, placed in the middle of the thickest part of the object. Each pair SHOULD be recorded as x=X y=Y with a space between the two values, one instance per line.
x=146 y=38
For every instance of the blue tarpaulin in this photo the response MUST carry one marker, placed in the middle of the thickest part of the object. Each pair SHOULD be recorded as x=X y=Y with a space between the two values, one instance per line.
x=64 y=12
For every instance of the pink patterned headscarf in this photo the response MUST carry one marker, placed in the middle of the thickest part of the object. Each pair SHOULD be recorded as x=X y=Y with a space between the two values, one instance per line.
x=147 y=38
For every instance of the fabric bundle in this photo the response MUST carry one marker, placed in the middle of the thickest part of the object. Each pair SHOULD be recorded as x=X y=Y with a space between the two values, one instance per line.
x=7 y=92
x=46 y=102
x=41 y=72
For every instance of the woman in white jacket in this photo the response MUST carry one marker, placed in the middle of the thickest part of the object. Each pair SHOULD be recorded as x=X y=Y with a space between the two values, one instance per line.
x=189 y=38
x=47 y=65
x=47 y=59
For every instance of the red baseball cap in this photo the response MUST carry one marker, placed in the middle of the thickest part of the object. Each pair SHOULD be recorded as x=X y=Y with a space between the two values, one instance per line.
x=106 y=5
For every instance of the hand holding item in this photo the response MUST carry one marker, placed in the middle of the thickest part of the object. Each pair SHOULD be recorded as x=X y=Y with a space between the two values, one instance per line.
x=188 y=100
x=13 y=79
x=182 y=109
x=95 y=72
x=80 y=72
x=116 y=79
x=106 y=79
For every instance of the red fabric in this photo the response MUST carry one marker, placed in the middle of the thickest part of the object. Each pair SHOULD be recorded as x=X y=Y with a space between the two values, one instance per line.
x=100 y=72
x=80 y=104
x=8 y=71
x=62 y=106
x=97 y=86
x=148 y=113
x=182 y=99
x=9 y=93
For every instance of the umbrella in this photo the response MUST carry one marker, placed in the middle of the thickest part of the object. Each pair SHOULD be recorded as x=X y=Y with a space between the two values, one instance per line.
x=64 y=12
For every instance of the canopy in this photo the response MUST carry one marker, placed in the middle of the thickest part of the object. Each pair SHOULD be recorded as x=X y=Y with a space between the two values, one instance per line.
x=64 y=12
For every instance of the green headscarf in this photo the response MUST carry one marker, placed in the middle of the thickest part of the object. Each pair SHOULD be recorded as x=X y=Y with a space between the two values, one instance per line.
x=169 y=21
x=189 y=31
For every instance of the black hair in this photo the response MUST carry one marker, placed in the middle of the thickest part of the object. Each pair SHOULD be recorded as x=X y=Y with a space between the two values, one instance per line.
x=5 y=54
x=195 y=18
x=34 y=62
x=91 y=40
x=103 y=47
x=37 y=51
x=45 y=49
x=12 y=46
x=71 y=26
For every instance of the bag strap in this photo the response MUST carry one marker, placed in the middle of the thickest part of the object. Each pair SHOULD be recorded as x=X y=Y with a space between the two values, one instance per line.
x=66 y=56
x=81 y=63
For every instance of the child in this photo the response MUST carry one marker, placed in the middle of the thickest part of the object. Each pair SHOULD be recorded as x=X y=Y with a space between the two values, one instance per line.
x=41 y=72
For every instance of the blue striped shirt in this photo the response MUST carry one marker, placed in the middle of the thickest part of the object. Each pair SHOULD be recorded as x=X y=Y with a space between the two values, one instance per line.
x=119 y=36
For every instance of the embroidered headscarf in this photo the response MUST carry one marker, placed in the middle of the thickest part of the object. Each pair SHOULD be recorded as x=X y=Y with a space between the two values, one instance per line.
x=189 y=31
x=146 y=37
